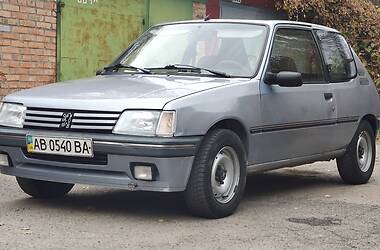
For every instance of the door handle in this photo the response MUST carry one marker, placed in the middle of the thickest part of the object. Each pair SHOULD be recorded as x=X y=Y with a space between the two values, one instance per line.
x=328 y=96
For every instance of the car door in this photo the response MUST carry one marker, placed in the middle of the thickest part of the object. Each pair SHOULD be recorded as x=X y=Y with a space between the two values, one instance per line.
x=296 y=121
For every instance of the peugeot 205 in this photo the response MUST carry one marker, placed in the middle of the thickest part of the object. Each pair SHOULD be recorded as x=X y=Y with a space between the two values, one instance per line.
x=193 y=107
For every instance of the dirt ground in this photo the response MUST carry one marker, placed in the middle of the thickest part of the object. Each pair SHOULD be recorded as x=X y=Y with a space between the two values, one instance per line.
x=306 y=207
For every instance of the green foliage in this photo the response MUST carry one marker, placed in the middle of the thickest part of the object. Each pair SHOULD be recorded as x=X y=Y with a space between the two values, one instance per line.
x=358 y=20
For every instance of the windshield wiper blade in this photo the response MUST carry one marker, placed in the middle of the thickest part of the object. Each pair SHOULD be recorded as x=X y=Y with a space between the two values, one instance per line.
x=186 y=66
x=124 y=66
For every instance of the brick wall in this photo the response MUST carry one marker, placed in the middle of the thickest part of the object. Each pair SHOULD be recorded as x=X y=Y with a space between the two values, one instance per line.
x=199 y=11
x=27 y=44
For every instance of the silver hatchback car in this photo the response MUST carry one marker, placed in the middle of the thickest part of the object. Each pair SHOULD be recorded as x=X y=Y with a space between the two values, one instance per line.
x=193 y=107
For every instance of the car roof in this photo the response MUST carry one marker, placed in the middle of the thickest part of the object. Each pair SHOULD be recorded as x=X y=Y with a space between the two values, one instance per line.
x=271 y=23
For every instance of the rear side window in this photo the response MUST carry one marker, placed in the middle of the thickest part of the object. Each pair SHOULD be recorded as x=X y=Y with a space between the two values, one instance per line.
x=296 y=50
x=338 y=56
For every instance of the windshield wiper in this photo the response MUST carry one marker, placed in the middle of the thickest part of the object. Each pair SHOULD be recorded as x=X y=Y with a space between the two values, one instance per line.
x=124 y=66
x=191 y=67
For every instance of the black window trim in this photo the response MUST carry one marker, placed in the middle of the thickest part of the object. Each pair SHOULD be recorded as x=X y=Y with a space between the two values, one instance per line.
x=324 y=61
x=298 y=27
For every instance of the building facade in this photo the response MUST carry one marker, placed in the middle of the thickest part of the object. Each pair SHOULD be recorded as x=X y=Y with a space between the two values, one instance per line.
x=376 y=2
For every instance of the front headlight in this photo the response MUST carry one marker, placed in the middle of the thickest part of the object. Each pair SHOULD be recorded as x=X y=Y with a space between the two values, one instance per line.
x=146 y=123
x=12 y=115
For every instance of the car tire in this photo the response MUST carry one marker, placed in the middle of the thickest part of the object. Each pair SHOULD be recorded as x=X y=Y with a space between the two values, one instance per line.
x=218 y=177
x=44 y=189
x=357 y=164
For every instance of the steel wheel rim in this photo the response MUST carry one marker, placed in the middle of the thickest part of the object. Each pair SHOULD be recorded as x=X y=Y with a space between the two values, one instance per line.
x=364 y=151
x=225 y=175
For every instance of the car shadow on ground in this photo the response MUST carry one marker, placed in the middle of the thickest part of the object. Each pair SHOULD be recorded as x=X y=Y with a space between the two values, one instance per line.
x=288 y=181
x=169 y=205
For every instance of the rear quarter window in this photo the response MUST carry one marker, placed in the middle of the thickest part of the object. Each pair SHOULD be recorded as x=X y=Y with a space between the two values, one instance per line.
x=337 y=55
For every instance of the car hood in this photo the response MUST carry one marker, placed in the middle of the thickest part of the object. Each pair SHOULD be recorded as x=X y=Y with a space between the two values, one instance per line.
x=116 y=92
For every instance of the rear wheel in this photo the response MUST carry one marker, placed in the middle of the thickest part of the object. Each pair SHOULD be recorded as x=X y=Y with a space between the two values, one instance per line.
x=218 y=177
x=357 y=164
x=44 y=189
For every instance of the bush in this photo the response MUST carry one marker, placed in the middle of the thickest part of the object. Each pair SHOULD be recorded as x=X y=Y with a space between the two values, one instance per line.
x=358 y=20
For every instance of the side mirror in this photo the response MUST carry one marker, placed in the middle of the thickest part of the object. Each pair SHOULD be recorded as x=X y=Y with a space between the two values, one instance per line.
x=284 y=79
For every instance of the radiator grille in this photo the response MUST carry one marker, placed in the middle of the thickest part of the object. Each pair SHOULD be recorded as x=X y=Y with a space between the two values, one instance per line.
x=70 y=120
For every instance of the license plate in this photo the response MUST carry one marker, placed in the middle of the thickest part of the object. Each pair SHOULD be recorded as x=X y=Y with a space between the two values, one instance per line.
x=60 y=146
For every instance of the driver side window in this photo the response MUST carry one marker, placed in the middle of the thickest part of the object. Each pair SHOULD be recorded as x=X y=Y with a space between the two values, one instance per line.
x=295 y=50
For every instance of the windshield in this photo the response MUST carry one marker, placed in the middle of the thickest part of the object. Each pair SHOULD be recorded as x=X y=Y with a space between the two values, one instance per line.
x=234 y=49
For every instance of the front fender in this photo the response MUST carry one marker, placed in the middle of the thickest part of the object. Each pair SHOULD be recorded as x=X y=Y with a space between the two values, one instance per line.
x=198 y=112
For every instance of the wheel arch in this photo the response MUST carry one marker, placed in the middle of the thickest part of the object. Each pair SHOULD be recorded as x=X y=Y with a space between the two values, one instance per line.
x=235 y=126
x=372 y=121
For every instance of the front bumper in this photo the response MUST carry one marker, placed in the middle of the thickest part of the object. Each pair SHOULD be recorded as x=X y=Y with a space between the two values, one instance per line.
x=173 y=158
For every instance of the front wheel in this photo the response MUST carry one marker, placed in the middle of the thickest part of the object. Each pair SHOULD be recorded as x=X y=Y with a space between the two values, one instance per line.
x=218 y=176
x=44 y=189
x=357 y=164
